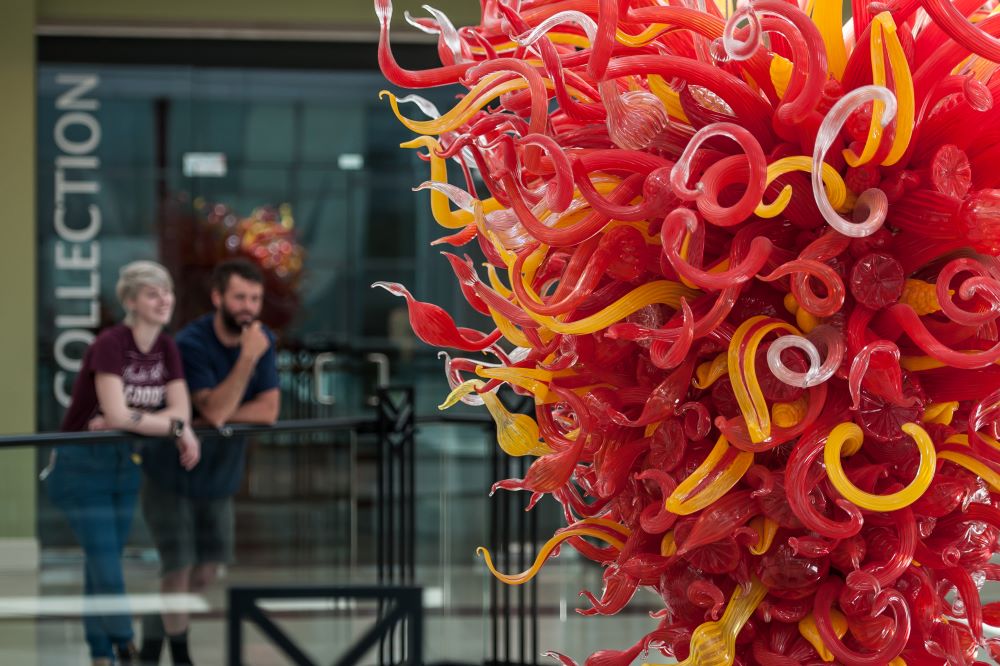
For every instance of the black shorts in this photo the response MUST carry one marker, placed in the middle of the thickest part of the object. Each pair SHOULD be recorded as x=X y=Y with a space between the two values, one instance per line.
x=188 y=531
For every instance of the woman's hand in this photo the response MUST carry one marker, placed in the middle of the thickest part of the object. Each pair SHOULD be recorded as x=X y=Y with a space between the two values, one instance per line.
x=97 y=423
x=189 y=448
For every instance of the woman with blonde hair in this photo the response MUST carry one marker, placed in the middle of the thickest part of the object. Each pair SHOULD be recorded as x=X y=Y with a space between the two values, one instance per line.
x=131 y=379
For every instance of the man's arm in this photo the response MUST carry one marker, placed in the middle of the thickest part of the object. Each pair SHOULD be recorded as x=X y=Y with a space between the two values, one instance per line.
x=217 y=405
x=262 y=409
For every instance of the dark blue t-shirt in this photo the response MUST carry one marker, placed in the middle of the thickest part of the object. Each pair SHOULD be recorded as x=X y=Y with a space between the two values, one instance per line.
x=207 y=363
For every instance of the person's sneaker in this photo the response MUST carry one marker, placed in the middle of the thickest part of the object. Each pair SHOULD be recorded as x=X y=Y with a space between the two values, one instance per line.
x=127 y=655
x=179 y=649
x=149 y=655
x=100 y=661
x=153 y=637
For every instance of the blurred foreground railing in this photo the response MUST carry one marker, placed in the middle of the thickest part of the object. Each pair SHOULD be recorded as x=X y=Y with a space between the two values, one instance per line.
x=400 y=608
x=513 y=615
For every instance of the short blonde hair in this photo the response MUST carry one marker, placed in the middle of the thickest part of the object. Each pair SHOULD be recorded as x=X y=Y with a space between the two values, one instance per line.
x=138 y=274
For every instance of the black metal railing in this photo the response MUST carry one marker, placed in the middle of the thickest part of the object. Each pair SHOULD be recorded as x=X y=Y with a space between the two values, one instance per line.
x=400 y=609
x=513 y=613
x=358 y=423
x=513 y=536
x=396 y=515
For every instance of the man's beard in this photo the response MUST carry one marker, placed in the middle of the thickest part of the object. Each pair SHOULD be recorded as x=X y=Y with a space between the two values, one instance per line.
x=230 y=322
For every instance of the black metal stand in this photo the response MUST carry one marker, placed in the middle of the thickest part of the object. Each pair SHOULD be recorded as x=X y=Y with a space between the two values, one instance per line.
x=396 y=514
x=398 y=630
x=402 y=607
x=397 y=463
x=513 y=613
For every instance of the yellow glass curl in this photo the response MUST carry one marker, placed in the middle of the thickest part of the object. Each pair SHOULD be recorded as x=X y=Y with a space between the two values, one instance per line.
x=791 y=303
x=465 y=388
x=921 y=296
x=767 y=529
x=963 y=440
x=708 y=372
x=848 y=435
x=940 y=412
x=517 y=434
x=836 y=189
x=509 y=330
x=668 y=547
x=496 y=284
x=806 y=321
x=970 y=463
x=550 y=545
x=883 y=32
x=440 y=206
x=918 y=363
x=809 y=631
x=610 y=524
x=714 y=643
x=789 y=414
x=653 y=31
x=670 y=98
x=459 y=114
x=781 y=73
x=827 y=15
x=743 y=374
x=568 y=38
x=978 y=468
x=532 y=380
x=581 y=41
x=666 y=292
x=683 y=502
x=479 y=96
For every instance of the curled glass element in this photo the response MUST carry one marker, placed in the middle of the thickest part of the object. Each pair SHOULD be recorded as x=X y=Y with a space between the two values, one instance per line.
x=456 y=195
x=731 y=47
x=980 y=283
x=587 y=24
x=804 y=89
x=446 y=29
x=848 y=436
x=635 y=117
x=753 y=172
x=714 y=643
x=428 y=107
x=899 y=632
x=951 y=21
x=819 y=370
x=741 y=264
x=872 y=206
x=455 y=380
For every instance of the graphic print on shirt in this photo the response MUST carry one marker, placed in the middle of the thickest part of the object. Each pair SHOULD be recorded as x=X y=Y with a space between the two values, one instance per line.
x=144 y=378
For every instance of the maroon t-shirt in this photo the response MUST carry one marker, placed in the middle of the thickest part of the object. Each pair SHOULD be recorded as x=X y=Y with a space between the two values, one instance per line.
x=145 y=374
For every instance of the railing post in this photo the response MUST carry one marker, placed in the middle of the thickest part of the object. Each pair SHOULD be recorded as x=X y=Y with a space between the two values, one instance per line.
x=403 y=614
x=396 y=508
x=510 y=646
x=234 y=628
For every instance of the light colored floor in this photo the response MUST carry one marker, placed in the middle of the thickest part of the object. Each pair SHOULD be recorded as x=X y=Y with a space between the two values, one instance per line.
x=40 y=623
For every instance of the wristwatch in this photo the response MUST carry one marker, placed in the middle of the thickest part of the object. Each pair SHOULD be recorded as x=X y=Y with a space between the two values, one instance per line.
x=176 y=428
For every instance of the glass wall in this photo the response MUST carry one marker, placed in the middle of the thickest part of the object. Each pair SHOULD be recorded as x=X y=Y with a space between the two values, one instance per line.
x=188 y=165
x=173 y=162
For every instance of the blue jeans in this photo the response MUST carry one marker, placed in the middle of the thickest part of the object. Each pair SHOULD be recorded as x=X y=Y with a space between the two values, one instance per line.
x=96 y=487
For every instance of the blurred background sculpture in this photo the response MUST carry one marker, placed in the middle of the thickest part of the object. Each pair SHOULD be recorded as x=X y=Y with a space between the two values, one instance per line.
x=744 y=260
x=206 y=233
